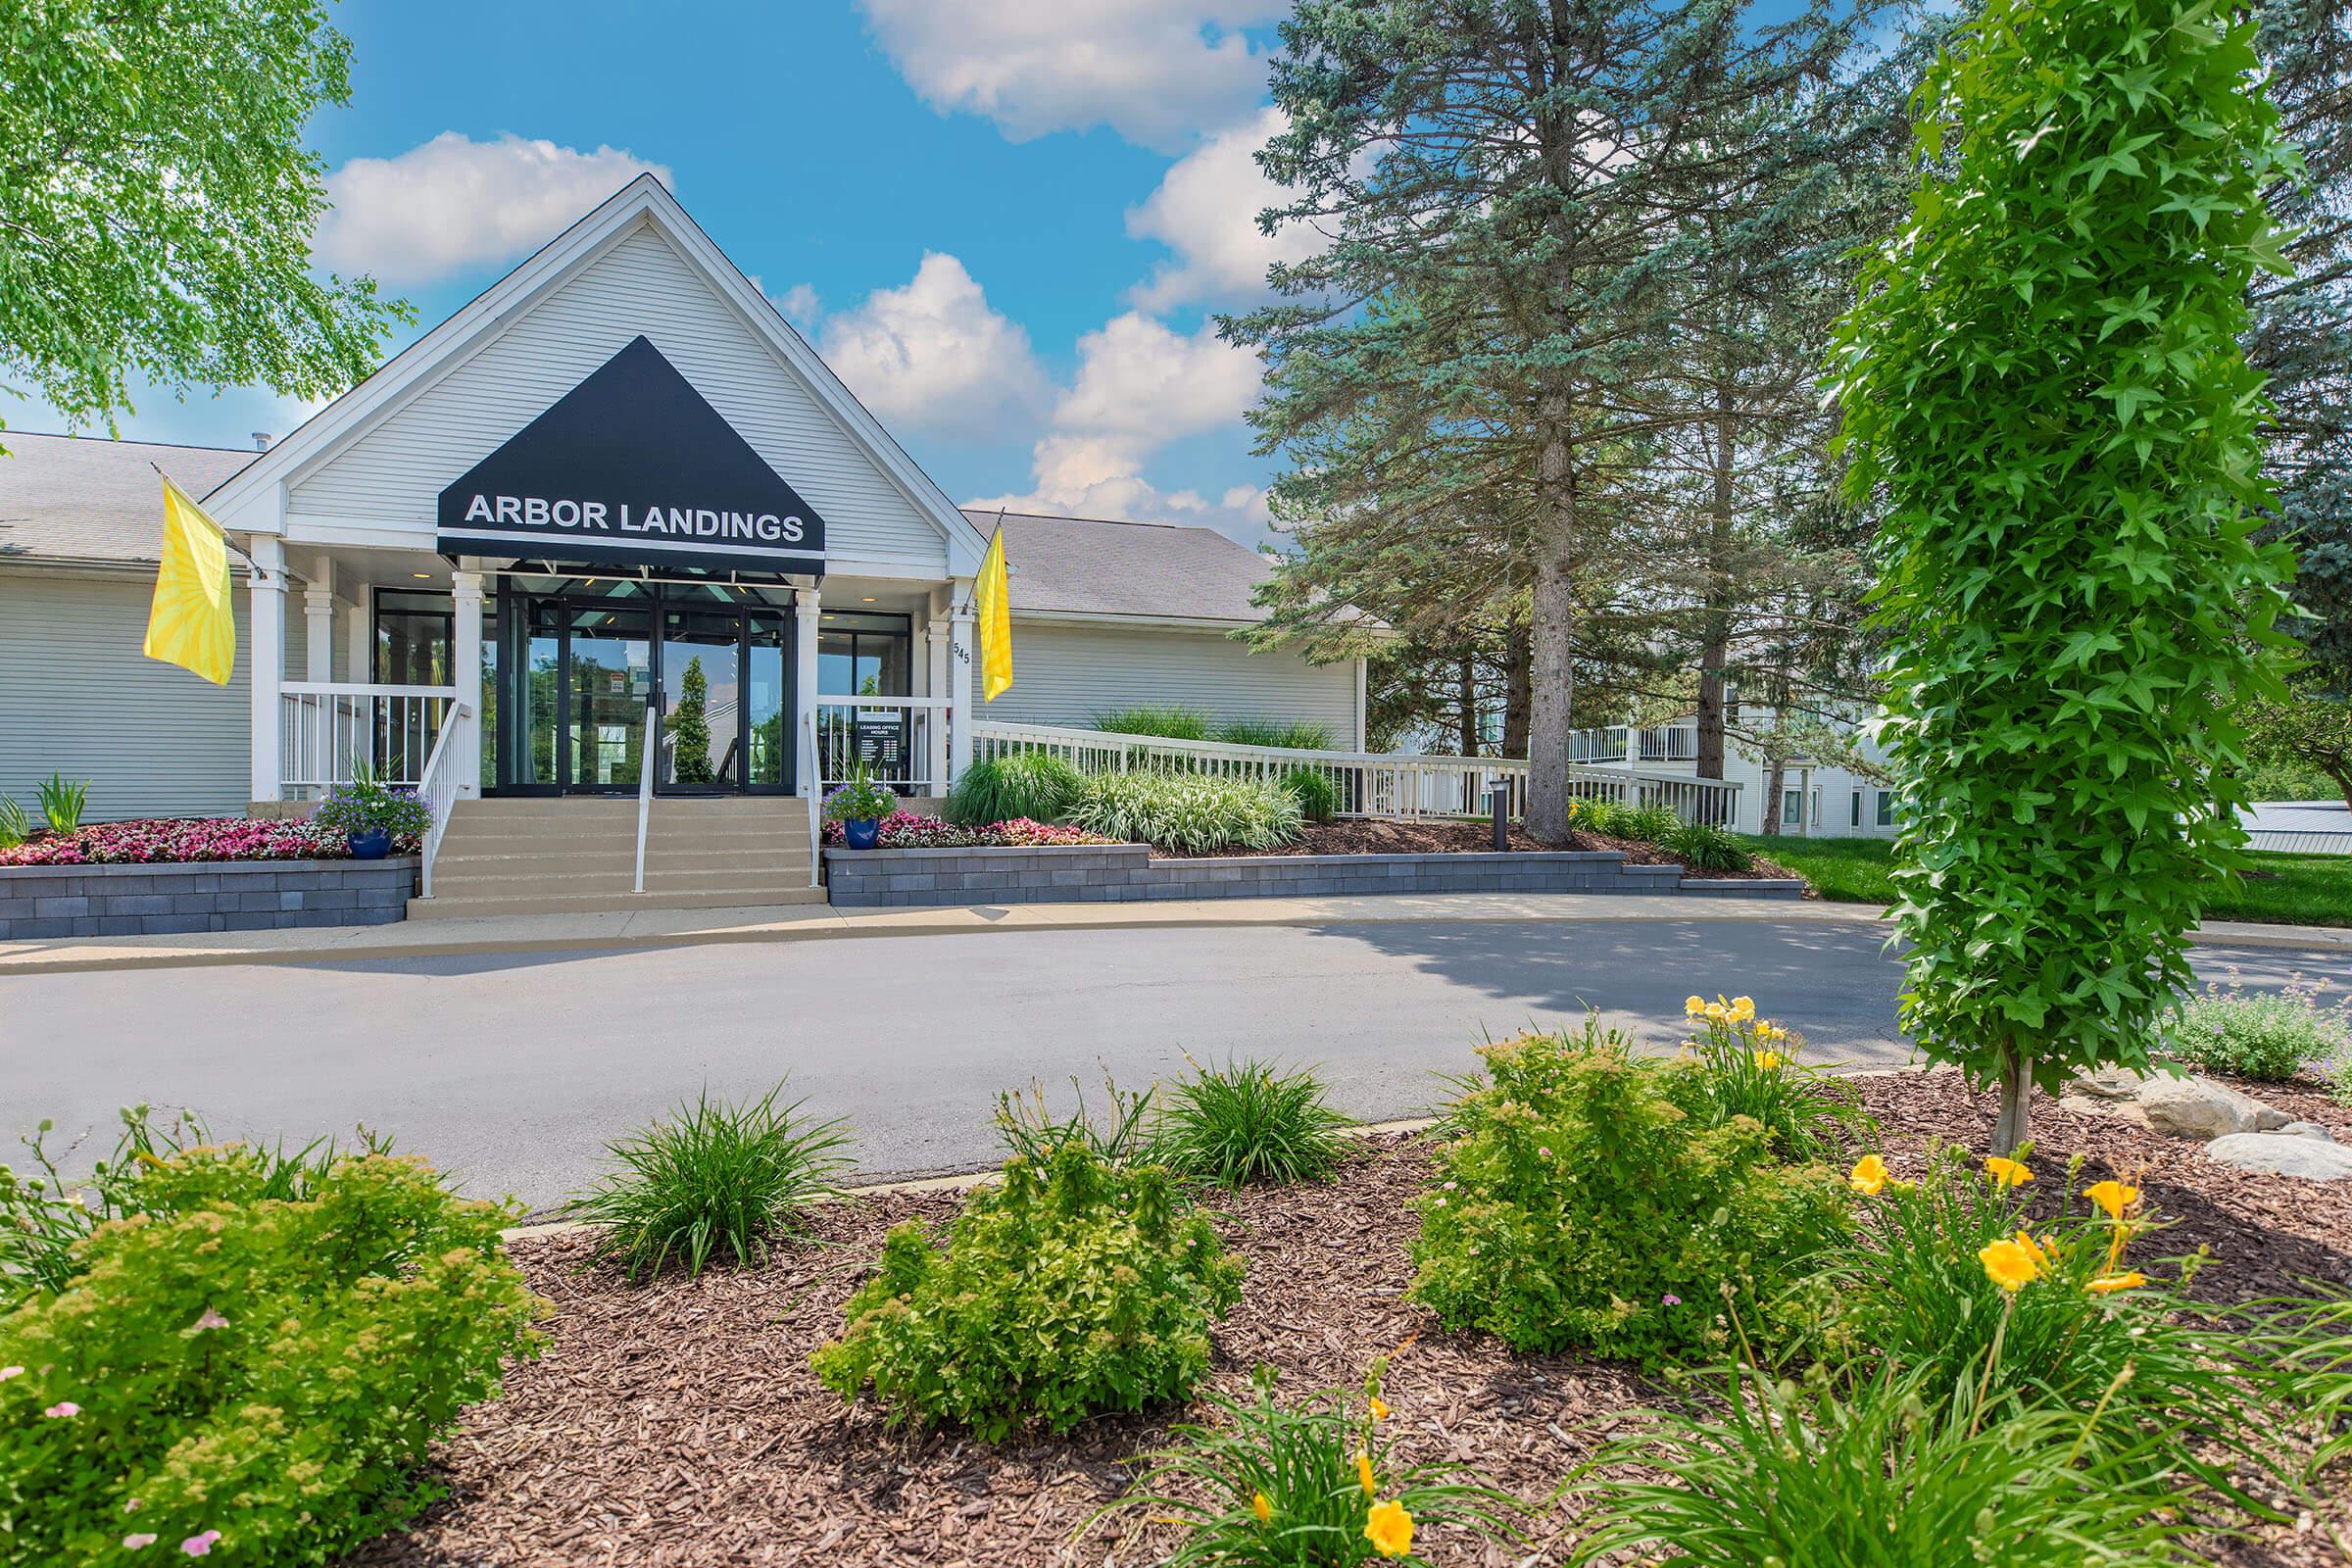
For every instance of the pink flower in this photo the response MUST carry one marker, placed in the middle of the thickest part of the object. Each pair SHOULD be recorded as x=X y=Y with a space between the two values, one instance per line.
x=1670 y=1299
x=133 y=1505
x=7 y=1372
x=134 y=1542
x=209 y=1320
x=199 y=1546
x=63 y=1409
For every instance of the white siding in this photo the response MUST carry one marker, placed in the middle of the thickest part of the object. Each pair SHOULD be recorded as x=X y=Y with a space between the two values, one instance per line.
x=393 y=474
x=79 y=696
x=1065 y=674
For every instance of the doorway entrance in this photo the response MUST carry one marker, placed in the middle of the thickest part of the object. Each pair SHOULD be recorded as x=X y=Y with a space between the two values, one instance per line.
x=612 y=677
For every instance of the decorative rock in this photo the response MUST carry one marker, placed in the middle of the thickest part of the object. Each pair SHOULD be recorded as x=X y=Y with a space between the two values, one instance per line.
x=2200 y=1107
x=2308 y=1129
x=2108 y=1083
x=2282 y=1155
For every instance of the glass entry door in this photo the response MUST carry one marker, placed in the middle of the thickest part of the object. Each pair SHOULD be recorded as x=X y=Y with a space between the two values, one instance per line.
x=611 y=678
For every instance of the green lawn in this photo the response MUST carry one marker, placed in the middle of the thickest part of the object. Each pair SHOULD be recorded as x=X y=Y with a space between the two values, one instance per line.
x=2286 y=889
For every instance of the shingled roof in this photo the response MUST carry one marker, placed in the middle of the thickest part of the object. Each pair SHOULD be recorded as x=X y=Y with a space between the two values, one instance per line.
x=77 y=499
x=1079 y=566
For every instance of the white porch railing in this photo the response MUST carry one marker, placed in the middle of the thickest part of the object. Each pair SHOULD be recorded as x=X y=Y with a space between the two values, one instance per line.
x=439 y=785
x=324 y=729
x=1369 y=783
x=904 y=740
x=1620 y=743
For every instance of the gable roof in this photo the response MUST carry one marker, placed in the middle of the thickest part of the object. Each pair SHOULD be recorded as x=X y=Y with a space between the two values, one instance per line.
x=81 y=499
x=644 y=198
x=1148 y=571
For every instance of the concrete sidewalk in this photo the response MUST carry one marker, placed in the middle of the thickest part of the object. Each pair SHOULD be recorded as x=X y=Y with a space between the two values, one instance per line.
x=669 y=928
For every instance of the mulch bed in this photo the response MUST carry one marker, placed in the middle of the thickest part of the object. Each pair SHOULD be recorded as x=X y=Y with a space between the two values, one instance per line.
x=678 y=1423
x=1369 y=836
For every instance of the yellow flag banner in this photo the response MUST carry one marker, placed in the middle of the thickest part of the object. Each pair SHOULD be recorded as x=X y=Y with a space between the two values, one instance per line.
x=193 y=621
x=991 y=602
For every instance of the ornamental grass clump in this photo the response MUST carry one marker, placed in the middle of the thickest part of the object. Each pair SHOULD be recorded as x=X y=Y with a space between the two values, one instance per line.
x=1036 y=786
x=263 y=1376
x=1314 y=1484
x=1244 y=1124
x=714 y=1179
x=1600 y=1201
x=1190 y=812
x=1072 y=1288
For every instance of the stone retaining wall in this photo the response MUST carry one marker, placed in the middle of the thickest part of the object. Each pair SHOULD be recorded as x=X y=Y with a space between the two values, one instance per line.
x=1129 y=872
x=103 y=900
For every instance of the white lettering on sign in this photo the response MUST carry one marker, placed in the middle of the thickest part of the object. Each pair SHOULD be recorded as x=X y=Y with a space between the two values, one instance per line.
x=677 y=522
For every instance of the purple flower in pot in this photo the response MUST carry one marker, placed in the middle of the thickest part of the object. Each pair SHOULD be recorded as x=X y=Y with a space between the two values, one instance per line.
x=859 y=805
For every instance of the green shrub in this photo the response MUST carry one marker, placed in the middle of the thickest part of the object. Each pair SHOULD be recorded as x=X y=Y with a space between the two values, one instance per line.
x=1037 y=785
x=2260 y=1034
x=272 y=1371
x=1290 y=735
x=1590 y=1201
x=1750 y=1066
x=1275 y=1486
x=1073 y=1288
x=1187 y=811
x=15 y=827
x=1869 y=1477
x=1162 y=723
x=1317 y=796
x=1244 y=1124
x=1645 y=824
x=2088 y=1331
x=1704 y=846
x=61 y=802
x=713 y=1177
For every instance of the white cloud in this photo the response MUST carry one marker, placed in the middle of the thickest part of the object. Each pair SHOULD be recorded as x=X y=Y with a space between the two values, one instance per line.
x=1157 y=72
x=1140 y=386
x=800 y=305
x=935 y=357
x=1205 y=210
x=453 y=204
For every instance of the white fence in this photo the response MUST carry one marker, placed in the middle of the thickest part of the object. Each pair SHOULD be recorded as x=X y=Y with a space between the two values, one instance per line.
x=326 y=730
x=439 y=783
x=904 y=740
x=2288 y=841
x=1369 y=783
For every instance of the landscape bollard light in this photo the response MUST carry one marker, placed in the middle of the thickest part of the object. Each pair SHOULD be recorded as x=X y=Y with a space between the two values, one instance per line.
x=1498 y=801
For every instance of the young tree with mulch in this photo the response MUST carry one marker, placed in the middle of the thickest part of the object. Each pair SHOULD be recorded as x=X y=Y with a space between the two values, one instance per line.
x=2043 y=386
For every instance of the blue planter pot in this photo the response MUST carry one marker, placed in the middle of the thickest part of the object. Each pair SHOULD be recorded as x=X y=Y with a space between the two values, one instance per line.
x=862 y=832
x=373 y=844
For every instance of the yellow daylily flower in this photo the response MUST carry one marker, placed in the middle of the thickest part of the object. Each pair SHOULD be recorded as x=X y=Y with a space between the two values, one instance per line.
x=2010 y=1264
x=1717 y=1011
x=1389 y=1529
x=1265 y=1510
x=1768 y=1060
x=2130 y=1281
x=1693 y=1005
x=1380 y=1410
x=2113 y=1198
x=2006 y=1172
x=1744 y=1009
x=1363 y=1473
x=1868 y=1175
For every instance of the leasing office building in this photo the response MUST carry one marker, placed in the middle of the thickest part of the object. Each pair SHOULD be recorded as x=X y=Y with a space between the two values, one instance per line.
x=615 y=485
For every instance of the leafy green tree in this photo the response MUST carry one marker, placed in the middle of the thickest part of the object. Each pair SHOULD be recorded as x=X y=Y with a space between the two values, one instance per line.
x=1506 y=185
x=2308 y=728
x=156 y=203
x=690 y=727
x=2043 y=382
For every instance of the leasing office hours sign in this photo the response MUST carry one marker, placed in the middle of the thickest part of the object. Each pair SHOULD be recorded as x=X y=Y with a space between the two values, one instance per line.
x=633 y=467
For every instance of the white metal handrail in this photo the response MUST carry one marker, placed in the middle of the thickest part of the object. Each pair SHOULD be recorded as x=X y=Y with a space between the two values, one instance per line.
x=1369 y=783
x=327 y=730
x=645 y=784
x=903 y=740
x=438 y=786
x=811 y=788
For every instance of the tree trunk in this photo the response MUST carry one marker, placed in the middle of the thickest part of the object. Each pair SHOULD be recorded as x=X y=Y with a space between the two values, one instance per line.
x=1551 y=669
x=1465 y=703
x=1776 y=780
x=1715 y=613
x=2009 y=1127
x=1515 y=657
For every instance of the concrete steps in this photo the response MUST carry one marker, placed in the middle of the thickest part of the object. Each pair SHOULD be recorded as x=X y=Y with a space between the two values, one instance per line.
x=577 y=855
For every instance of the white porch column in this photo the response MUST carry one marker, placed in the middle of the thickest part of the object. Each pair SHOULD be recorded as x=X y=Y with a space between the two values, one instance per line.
x=319 y=630
x=465 y=674
x=803 y=710
x=266 y=627
x=959 y=681
x=359 y=632
x=935 y=647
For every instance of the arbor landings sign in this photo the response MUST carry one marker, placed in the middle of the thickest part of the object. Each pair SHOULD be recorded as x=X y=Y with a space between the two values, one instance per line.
x=632 y=468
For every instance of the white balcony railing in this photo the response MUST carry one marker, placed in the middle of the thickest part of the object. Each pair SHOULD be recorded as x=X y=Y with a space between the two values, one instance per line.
x=904 y=740
x=1369 y=783
x=326 y=730
x=1620 y=743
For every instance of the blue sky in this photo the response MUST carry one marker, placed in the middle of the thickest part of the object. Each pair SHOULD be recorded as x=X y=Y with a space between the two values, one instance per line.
x=1005 y=221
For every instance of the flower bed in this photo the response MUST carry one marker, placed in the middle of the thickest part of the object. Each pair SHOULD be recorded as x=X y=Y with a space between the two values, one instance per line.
x=911 y=830
x=681 y=1420
x=160 y=840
